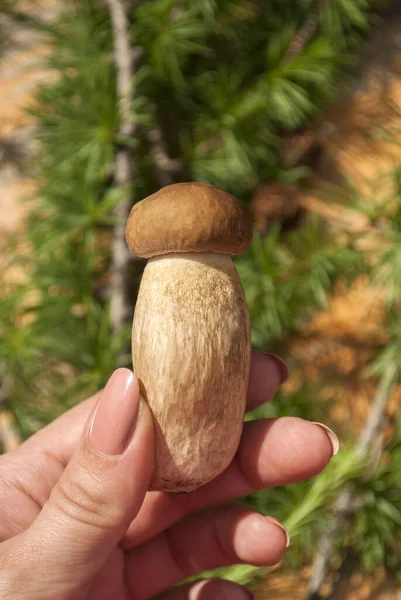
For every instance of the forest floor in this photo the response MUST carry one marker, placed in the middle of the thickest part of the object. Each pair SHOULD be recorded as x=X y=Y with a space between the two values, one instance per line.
x=337 y=339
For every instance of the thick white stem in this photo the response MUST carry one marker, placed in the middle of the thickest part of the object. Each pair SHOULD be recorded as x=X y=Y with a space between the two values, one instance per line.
x=191 y=352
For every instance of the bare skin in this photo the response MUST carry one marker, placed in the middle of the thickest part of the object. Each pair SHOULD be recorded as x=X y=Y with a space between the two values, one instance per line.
x=76 y=524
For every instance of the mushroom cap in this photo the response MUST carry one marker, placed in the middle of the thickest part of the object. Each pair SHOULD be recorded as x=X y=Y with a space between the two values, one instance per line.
x=188 y=217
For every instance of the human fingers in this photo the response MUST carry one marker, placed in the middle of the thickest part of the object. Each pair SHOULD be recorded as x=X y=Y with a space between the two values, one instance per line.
x=59 y=438
x=220 y=537
x=92 y=504
x=28 y=475
x=272 y=452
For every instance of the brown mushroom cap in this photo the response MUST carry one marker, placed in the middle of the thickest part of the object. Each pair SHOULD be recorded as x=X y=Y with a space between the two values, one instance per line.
x=188 y=217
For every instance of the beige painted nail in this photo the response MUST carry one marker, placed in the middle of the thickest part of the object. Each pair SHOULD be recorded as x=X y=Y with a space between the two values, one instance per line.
x=276 y=522
x=334 y=441
x=116 y=414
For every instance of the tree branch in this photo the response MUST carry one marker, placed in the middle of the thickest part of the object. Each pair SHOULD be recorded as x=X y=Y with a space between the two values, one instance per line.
x=304 y=34
x=344 y=505
x=124 y=163
x=164 y=166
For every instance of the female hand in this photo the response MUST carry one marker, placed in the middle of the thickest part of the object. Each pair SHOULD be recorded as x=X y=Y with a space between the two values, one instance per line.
x=76 y=521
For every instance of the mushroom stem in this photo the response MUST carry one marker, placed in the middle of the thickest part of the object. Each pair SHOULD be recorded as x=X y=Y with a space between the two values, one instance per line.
x=191 y=353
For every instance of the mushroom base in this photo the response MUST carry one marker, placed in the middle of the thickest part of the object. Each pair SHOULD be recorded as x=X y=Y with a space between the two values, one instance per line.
x=191 y=351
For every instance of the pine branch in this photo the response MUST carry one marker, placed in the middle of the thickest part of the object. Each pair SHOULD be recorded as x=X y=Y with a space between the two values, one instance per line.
x=304 y=34
x=344 y=505
x=164 y=166
x=124 y=163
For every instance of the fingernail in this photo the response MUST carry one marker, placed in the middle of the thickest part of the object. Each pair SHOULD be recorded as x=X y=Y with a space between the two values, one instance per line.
x=282 y=365
x=334 y=441
x=276 y=522
x=218 y=588
x=116 y=414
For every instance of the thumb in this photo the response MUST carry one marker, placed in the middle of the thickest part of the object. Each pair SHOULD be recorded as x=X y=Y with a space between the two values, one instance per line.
x=98 y=495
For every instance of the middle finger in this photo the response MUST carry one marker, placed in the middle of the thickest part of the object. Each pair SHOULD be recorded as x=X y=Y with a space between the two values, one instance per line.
x=272 y=452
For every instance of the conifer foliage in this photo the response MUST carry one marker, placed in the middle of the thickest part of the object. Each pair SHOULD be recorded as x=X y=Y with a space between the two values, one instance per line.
x=218 y=85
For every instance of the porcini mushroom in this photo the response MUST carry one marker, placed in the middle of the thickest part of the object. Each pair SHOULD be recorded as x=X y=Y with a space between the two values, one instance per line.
x=191 y=332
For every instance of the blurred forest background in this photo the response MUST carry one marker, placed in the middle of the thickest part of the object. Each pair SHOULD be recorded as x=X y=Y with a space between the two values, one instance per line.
x=295 y=108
